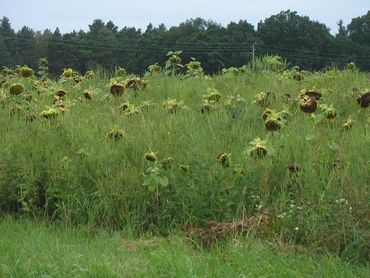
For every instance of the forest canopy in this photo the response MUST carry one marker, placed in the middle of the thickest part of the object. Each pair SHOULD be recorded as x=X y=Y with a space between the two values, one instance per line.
x=298 y=39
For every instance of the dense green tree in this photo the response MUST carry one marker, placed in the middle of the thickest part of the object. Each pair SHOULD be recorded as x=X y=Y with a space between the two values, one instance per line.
x=55 y=52
x=289 y=31
x=6 y=58
x=359 y=29
x=7 y=47
x=26 y=47
x=298 y=39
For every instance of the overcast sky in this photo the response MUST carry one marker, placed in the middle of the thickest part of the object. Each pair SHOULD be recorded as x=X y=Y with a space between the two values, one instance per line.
x=71 y=15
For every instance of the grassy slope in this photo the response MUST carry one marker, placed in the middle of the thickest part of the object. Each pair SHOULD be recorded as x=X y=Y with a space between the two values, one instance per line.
x=31 y=249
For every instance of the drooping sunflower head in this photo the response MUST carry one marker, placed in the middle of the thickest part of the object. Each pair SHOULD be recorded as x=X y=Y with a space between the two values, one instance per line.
x=151 y=156
x=364 y=99
x=116 y=89
x=116 y=134
x=26 y=72
x=16 y=89
x=224 y=160
x=68 y=73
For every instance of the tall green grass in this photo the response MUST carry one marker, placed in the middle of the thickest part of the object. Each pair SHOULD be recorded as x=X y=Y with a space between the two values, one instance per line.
x=68 y=169
x=32 y=249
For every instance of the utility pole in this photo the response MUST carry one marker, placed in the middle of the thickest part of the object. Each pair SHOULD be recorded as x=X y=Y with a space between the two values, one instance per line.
x=253 y=56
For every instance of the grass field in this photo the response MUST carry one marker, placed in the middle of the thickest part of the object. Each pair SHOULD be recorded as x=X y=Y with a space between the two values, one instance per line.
x=32 y=249
x=175 y=155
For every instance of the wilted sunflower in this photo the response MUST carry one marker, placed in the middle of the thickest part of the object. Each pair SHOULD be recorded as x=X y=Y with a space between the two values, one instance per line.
x=135 y=83
x=155 y=69
x=311 y=92
x=348 y=124
x=26 y=71
x=207 y=106
x=116 y=89
x=150 y=156
x=60 y=93
x=68 y=73
x=166 y=163
x=298 y=76
x=30 y=117
x=121 y=72
x=87 y=95
x=116 y=134
x=50 y=113
x=351 y=66
x=264 y=98
x=212 y=95
x=89 y=74
x=329 y=111
x=123 y=106
x=43 y=62
x=224 y=160
x=258 y=148
x=308 y=104
x=364 y=99
x=145 y=105
x=16 y=89
x=173 y=105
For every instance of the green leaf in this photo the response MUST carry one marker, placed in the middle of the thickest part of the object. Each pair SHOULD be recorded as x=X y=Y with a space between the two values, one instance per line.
x=164 y=181
x=310 y=137
x=333 y=146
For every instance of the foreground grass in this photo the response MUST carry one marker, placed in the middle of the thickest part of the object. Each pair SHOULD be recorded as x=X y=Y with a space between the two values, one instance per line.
x=32 y=249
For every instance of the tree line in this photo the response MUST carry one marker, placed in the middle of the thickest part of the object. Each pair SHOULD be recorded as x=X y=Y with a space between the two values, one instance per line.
x=300 y=40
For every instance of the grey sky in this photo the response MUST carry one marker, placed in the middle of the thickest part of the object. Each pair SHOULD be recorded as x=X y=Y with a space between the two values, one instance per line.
x=78 y=14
